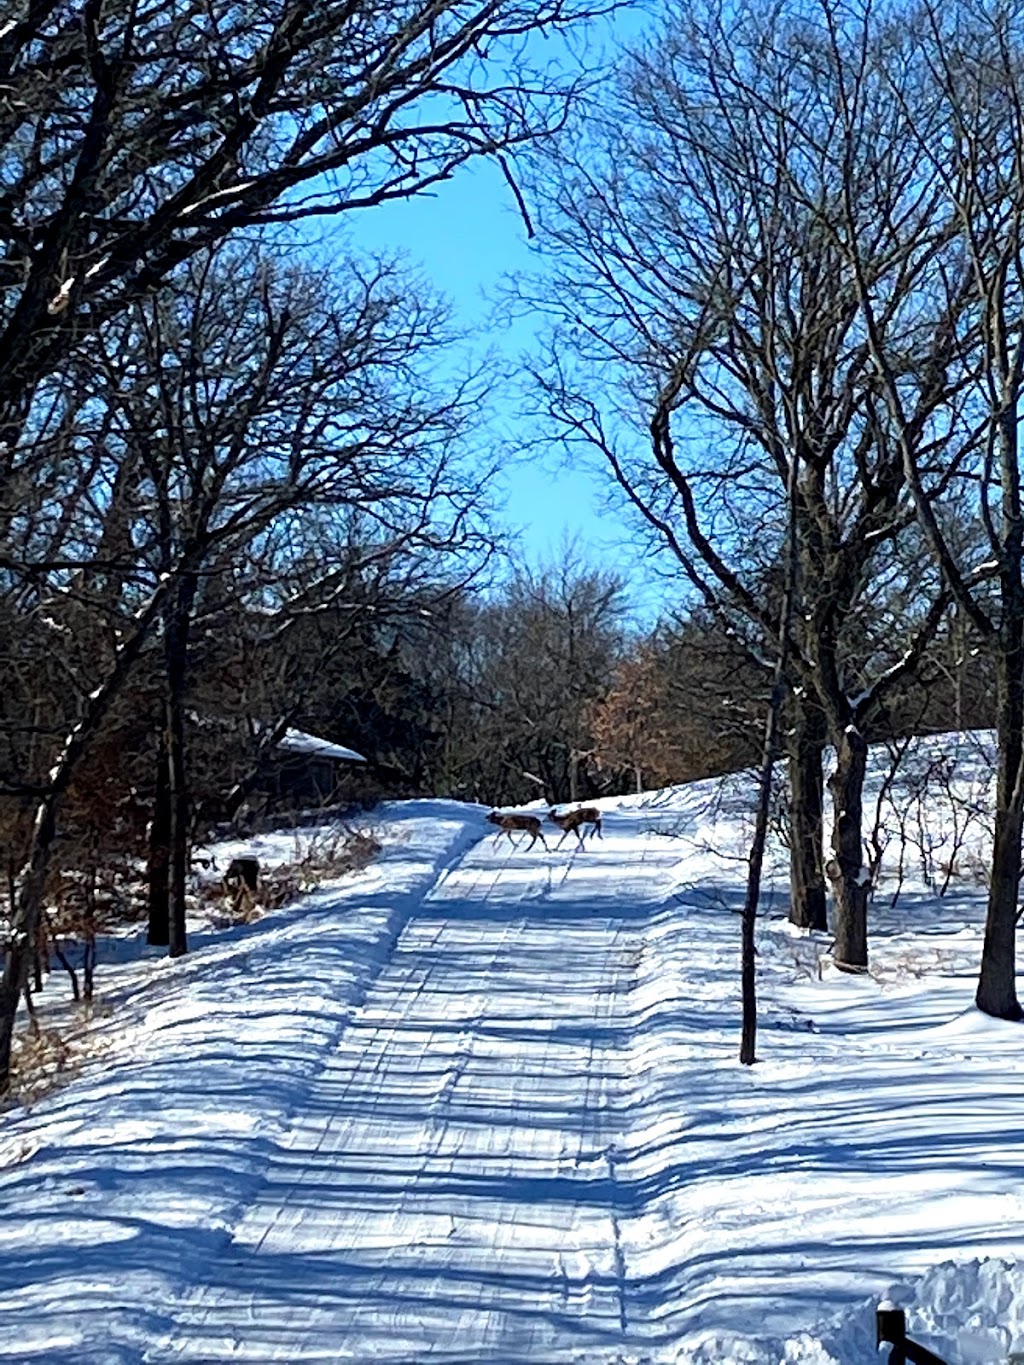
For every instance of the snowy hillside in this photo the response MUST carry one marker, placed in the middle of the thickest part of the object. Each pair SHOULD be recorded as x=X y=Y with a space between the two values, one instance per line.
x=479 y=1103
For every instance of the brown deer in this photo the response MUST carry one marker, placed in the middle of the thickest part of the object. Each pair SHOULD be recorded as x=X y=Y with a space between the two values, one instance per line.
x=570 y=824
x=530 y=824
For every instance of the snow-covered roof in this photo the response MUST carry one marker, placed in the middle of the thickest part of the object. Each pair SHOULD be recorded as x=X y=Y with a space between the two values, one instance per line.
x=298 y=742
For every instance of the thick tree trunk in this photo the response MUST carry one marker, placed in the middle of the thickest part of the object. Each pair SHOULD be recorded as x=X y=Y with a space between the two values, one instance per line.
x=850 y=884
x=997 y=984
x=807 y=899
x=159 y=855
x=997 y=980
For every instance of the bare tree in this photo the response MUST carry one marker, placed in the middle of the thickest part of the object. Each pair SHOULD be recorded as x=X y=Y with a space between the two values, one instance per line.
x=694 y=240
x=630 y=722
x=226 y=413
x=553 y=638
x=134 y=135
x=968 y=130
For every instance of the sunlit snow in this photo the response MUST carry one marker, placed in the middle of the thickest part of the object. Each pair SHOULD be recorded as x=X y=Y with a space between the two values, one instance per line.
x=478 y=1103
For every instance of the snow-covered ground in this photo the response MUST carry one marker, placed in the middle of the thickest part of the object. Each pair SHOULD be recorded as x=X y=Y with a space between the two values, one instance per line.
x=479 y=1103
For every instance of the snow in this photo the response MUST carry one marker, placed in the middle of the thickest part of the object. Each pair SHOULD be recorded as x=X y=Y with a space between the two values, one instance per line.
x=298 y=742
x=482 y=1103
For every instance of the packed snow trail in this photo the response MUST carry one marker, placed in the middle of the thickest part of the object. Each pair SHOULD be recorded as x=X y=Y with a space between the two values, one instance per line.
x=449 y=1187
x=482 y=1104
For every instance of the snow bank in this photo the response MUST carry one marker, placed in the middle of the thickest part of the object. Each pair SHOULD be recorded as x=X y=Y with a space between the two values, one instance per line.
x=969 y=1313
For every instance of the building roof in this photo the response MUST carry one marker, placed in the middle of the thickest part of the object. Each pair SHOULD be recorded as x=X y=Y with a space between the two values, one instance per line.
x=298 y=742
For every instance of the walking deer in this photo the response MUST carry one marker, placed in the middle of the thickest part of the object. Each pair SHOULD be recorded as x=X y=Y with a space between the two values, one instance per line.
x=570 y=824
x=529 y=824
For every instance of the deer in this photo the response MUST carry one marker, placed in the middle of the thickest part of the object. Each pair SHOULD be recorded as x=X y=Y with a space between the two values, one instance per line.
x=586 y=815
x=530 y=824
x=240 y=883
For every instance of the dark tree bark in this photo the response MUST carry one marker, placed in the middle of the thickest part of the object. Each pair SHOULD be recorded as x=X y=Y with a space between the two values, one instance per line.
x=748 y=1032
x=176 y=639
x=997 y=981
x=159 y=855
x=755 y=861
x=850 y=882
x=807 y=907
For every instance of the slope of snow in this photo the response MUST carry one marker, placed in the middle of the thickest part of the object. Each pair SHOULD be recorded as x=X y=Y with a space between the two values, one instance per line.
x=479 y=1103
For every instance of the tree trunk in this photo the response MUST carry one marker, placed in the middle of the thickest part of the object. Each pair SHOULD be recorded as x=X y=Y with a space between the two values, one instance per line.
x=807 y=899
x=26 y=922
x=89 y=951
x=997 y=985
x=176 y=636
x=178 y=805
x=748 y=980
x=159 y=855
x=770 y=752
x=850 y=884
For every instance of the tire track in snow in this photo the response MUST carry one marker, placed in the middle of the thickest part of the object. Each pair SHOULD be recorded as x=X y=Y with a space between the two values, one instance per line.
x=441 y=874
x=430 y=1202
x=405 y=906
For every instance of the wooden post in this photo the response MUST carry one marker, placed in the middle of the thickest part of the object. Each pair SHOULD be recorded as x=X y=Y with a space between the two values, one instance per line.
x=890 y=1325
x=891 y=1328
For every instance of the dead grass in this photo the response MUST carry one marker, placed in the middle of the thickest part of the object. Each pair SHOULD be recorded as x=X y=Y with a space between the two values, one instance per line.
x=44 y=1060
x=324 y=858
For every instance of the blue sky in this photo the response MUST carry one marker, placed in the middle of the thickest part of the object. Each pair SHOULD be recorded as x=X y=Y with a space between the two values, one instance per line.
x=465 y=239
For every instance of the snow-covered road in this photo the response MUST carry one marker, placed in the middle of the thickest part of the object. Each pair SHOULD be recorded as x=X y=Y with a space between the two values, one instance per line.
x=482 y=1104
x=449 y=1188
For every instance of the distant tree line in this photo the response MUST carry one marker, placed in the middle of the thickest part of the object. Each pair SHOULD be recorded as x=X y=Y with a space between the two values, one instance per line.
x=538 y=687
